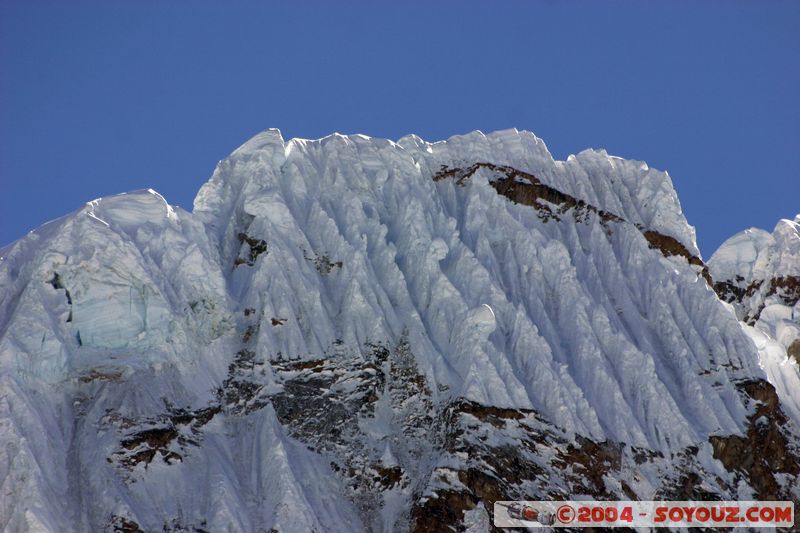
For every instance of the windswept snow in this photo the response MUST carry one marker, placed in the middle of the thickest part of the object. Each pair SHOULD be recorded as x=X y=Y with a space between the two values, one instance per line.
x=118 y=316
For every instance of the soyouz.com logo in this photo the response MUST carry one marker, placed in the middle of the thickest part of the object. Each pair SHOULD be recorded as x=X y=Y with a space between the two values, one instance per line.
x=643 y=514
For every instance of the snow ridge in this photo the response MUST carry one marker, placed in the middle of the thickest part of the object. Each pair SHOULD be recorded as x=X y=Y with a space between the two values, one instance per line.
x=158 y=367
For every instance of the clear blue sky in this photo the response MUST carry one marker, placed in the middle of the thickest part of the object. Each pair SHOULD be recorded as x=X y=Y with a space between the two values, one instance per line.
x=98 y=98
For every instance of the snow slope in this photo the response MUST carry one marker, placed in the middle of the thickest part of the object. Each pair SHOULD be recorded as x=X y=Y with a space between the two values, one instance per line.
x=346 y=334
x=759 y=274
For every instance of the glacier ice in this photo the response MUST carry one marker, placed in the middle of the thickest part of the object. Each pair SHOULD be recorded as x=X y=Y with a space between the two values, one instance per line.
x=164 y=367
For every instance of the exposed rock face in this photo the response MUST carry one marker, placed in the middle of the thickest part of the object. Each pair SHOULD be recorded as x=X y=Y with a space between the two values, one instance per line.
x=794 y=351
x=252 y=248
x=766 y=450
x=786 y=288
x=356 y=334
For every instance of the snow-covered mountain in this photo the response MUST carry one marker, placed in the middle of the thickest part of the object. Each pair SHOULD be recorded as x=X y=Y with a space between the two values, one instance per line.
x=356 y=334
x=759 y=274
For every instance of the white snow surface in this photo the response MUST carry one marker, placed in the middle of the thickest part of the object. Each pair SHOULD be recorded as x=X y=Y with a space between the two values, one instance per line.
x=751 y=260
x=756 y=256
x=599 y=333
x=746 y=254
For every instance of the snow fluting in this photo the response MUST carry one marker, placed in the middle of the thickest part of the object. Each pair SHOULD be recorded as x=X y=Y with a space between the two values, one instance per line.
x=357 y=334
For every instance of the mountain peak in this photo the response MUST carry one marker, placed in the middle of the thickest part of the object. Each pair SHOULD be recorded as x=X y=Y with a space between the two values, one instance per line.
x=354 y=334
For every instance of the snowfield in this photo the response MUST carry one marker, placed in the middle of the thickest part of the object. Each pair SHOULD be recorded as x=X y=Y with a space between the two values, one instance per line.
x=352 y=333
